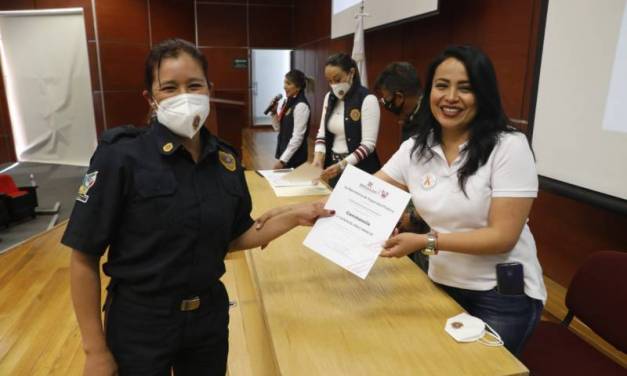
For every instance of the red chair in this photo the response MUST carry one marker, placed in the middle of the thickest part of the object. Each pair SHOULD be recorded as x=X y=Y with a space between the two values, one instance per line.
x=597 y=296
x=20 y=202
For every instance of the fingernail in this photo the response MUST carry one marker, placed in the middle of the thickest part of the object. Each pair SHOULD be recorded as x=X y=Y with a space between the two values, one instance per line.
x=332 y=212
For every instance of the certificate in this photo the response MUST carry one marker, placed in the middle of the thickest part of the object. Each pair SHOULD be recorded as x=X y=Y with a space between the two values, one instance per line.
x=366 y=212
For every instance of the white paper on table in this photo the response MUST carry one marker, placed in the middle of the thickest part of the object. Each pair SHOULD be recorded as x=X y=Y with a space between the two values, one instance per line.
x=304 y=175
x=273 y=176
x=366 y=212
x=280 y=190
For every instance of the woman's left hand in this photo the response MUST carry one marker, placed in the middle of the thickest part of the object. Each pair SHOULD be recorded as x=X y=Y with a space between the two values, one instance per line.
x=307 y=214
x=331 y=172
x=400 y=245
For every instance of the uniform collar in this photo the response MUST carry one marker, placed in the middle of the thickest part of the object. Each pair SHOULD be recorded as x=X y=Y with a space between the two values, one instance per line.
x=168 y=143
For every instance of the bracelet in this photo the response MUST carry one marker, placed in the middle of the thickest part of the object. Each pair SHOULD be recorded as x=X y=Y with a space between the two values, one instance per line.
x=432 y=244
x=342 y=164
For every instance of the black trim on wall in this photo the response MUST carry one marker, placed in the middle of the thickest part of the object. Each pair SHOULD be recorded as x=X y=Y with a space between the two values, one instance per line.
x=584 y=195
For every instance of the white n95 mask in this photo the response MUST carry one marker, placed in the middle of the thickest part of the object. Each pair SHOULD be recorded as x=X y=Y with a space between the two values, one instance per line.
x=184 y=114
x=467 y=328
x=340 y=89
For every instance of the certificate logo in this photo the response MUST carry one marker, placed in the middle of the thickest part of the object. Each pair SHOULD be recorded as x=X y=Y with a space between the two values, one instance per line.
x=377 y=191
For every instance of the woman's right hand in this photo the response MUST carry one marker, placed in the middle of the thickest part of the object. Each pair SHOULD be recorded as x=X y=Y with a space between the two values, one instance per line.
x=318 y=160
x=100 y=364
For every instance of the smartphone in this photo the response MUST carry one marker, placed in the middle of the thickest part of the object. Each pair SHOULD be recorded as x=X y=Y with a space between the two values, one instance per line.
x=510 y=279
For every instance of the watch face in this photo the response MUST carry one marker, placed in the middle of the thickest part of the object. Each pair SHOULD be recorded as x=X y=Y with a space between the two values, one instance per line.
x=428 y=252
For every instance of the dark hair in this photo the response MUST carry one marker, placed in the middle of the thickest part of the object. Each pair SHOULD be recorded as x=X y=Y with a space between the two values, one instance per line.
x=487 y=125
x=345 y=63
x=301 y=80
x=399 y=76
x=170 y=48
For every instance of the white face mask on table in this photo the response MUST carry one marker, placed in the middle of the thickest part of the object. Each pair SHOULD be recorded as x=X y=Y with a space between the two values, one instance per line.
x=467 y=328
x=184 y=114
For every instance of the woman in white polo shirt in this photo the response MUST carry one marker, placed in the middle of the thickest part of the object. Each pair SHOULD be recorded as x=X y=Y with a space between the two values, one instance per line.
x=473 y=180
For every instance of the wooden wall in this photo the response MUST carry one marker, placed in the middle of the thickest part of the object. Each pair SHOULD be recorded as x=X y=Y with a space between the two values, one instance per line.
x=123 y=31
x=566 y=230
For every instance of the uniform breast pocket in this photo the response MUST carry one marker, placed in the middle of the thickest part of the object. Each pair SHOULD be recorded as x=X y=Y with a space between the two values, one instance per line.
x=154 y=199
x=234 y=202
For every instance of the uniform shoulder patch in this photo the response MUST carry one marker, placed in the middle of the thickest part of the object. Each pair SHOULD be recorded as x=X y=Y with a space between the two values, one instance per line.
x=88 y=181
x=115 y=134
x=228 y=160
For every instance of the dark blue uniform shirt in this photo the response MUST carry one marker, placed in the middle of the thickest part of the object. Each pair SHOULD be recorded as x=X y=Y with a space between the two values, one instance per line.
x=167 y=221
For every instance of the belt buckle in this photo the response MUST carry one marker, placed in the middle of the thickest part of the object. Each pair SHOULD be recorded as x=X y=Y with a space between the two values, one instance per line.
x=190 y=304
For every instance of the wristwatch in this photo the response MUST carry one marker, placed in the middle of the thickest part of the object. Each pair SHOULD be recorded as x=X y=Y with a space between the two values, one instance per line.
x=432 y=244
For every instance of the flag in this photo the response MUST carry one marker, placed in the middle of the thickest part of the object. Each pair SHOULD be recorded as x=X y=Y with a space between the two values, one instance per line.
x=359 y=50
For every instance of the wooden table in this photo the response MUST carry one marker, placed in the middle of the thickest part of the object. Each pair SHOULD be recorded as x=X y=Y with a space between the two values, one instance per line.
x=318 y=319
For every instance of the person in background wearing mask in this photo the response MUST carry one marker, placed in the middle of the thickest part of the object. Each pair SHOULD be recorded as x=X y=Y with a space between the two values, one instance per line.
x=292 y=121
x=169 y=201
x=349 y=125
x=401 y=92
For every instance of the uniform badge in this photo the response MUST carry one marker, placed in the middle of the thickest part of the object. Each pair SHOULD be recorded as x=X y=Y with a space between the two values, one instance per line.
x=428 y=181
x=227 y=160
x=355 y=114
x=88 y=181
x=168 y=147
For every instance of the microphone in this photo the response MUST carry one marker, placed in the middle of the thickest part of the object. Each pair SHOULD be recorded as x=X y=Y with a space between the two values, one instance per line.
x=274 y=102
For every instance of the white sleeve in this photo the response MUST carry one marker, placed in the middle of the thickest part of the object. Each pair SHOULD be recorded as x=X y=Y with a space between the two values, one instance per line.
x=320 y=137
x=398 y=165
x=513 y=168
x=275 y=122
x=301 y=117
x=370 y=116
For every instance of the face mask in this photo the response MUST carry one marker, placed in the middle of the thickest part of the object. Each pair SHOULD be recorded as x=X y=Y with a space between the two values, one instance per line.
x=467 y=328
x=390 y=106
x=340 y=89
x=184 y=114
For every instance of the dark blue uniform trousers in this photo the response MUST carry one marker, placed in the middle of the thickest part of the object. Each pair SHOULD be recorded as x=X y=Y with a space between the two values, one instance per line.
x=152 y=336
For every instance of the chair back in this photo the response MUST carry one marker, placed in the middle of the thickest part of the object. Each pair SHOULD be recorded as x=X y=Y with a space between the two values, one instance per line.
x=597 y=296
x=7 y=185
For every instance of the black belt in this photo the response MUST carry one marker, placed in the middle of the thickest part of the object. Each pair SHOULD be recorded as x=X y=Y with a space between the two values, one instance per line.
x=180 y=302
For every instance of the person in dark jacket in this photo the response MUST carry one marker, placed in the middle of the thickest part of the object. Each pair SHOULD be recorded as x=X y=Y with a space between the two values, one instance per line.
x=349 y=125
x=292 y=121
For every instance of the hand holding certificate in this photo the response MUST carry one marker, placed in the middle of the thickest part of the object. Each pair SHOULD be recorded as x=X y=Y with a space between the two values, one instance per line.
x=367 y=209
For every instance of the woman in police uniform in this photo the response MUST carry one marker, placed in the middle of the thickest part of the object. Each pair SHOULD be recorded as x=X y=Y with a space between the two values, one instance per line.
x=349 y=125
x=292 y=121
x=169 y=202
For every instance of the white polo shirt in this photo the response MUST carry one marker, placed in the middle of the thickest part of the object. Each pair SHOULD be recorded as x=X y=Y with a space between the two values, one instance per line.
x=509 y=172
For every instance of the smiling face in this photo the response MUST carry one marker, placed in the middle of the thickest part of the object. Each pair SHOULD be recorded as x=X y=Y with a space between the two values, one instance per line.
x=177 y=75
x=452 y=100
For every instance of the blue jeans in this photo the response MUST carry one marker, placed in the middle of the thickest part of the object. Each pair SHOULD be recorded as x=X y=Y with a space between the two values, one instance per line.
x=514 y=317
